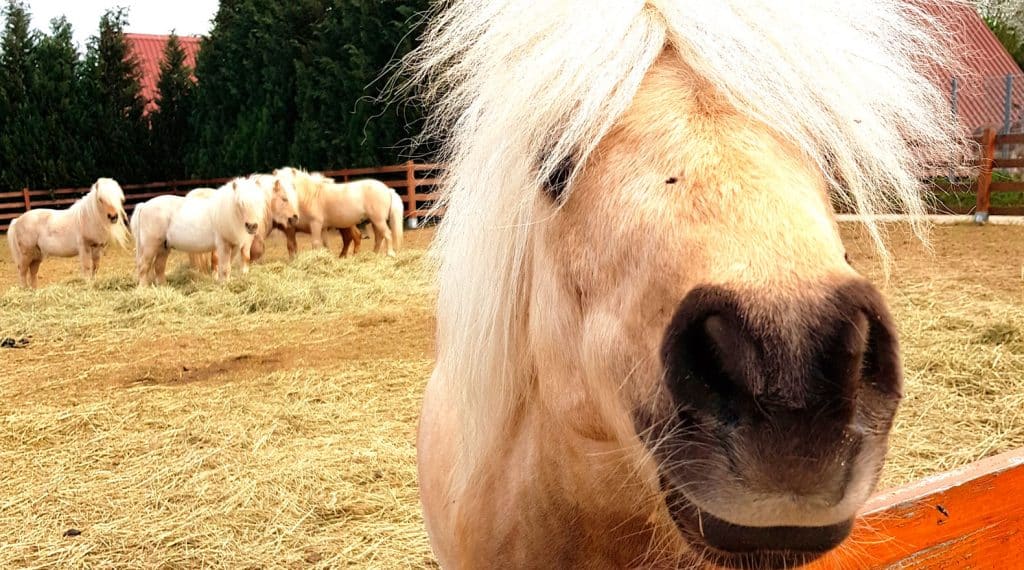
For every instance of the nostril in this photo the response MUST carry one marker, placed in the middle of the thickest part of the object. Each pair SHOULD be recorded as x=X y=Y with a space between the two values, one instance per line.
x=712 y=365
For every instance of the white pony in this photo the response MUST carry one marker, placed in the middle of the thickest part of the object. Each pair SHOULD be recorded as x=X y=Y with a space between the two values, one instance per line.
x=281 y=213
x=326 y=204
x=84 y=229
x=225 y=223
x=200 y=261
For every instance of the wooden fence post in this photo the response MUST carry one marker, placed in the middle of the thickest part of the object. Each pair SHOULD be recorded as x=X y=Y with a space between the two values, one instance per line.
x=988 y=156
x=410 y=188
x=28 y=201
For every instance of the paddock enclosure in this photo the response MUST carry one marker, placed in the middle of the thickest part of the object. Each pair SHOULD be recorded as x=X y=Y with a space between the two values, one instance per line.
x=270 y=422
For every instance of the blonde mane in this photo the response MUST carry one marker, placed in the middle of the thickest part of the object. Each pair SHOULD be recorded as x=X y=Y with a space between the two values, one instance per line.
x=307 y=184
x=520 y=86
x=92 y=220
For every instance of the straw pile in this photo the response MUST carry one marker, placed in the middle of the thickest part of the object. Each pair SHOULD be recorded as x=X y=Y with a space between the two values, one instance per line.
x=270 y=422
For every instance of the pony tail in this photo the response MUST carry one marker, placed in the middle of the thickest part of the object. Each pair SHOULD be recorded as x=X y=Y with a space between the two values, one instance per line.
x=12 y=241
x=396 y=219
x=135 y=221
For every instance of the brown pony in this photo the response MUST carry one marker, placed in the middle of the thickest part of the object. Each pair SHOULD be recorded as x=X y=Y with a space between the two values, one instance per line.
x=650 y=349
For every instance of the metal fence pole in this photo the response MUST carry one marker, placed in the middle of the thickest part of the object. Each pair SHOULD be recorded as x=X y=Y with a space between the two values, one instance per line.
x=954 y=93
x=1007 y=103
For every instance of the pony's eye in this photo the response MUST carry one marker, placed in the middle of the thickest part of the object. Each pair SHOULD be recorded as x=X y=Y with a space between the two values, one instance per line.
x=846 y=256
x=558 y=180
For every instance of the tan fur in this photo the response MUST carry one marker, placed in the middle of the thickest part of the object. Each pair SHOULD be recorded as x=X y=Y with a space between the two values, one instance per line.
x=695 y=164
x=84 y=230
x=325 y=204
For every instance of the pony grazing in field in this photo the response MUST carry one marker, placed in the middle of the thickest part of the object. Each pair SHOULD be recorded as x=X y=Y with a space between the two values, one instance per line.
x=650 y=349
x=324 y=203
x=84 y=230
x=283 y=204
x=201 y=261
x=225 y=223
x=281 y=213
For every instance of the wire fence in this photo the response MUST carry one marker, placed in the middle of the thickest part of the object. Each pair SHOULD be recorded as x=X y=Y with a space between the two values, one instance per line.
x=996 y=101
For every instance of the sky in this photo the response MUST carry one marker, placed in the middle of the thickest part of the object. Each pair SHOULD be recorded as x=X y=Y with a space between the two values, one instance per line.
x=186 y=17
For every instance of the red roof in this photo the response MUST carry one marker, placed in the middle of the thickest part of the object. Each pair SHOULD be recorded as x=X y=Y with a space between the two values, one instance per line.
x=985 y=63
x=149 y=50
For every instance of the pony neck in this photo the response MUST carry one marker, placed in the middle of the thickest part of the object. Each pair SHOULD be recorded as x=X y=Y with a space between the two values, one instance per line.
x=92 y=222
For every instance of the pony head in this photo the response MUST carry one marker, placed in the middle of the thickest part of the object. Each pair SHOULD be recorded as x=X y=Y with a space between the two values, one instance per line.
x=283 y=202
x=250 y=203
x=109 y=203
x=663 y=292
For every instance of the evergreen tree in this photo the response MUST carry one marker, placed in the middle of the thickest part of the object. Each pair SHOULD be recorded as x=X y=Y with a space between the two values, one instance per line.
x=245 y=105
x=343 y=119
x=118 y=130
x=16 y=136
x=295 y=83
x=61 y=156
x=170 y=121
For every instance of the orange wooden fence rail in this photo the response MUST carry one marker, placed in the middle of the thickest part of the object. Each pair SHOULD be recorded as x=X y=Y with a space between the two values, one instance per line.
x=414 y=182
x=970 y=518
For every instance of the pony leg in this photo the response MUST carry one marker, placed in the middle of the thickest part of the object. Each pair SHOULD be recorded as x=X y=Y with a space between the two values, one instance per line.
x=293 y=245
x=316 y=232
x=225 y=254
x=85 y=259
x=246 y=255
x=382 y=237
x=32 y=273
x=213 y=262
x=24 y=266
x=346 y=239
x=97 y=252
x=159 y=267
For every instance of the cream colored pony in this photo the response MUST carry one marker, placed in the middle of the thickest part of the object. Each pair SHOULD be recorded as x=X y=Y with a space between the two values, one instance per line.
x=650 y=350
x=225 y=223
x=324 y=204
x=281 y=212
x=84 y=230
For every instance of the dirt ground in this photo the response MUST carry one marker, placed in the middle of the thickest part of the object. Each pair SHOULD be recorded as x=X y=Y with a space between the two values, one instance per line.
x=270 y=422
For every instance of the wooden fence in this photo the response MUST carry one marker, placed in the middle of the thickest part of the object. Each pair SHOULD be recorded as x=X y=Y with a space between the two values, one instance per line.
x=968 y=518
x=414 y=182
x=988 y=182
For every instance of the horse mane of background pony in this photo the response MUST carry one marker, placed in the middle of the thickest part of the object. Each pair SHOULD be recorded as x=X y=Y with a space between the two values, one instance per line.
x=307 y=184
x=88 y=213
x=519 y=89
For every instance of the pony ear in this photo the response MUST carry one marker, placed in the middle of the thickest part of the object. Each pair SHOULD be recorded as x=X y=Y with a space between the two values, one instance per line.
x=234 y=185
x=278 y=187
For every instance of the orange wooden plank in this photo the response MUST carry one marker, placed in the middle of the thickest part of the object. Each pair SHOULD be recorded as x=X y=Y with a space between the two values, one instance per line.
x=988 y=152
x=1006 y=187
x=1016 y=138
x=970 y=518
x=1009 y=163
